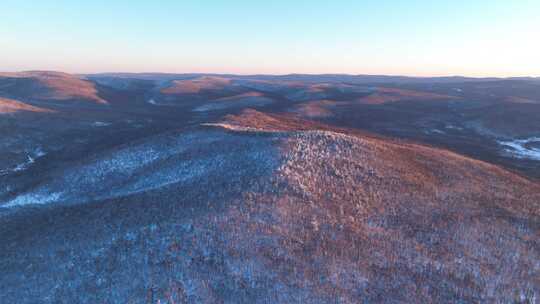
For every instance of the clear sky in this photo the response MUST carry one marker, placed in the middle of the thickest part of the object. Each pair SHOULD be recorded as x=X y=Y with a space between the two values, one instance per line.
x=414 y=37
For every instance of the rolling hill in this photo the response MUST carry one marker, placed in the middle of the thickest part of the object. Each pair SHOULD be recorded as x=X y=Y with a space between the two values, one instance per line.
x=48 y=86
x=257 y=189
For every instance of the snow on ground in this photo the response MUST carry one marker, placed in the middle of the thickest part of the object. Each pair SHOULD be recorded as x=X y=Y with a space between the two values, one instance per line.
x=153 y=164
x=101 y=124
x=452 y=127
x=434 y=131
x=238 y=128
x=33 y=199
x=30 y=159
x=520 y=148
x=20 y=167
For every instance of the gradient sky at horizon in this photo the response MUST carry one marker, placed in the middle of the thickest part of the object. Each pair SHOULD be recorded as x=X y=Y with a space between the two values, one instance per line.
x=415 y=37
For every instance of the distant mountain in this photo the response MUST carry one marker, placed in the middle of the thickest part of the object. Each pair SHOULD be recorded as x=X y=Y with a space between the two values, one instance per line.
x=48 y=86
x=331 y=78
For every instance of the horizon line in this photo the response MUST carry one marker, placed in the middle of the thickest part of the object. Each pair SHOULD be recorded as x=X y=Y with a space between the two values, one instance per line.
x=276 y=75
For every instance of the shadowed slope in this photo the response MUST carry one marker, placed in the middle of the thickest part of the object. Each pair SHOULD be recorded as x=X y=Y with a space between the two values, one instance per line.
x=383 y=95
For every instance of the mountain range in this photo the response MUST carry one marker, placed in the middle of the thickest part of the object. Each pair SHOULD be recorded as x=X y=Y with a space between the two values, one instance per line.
x=207 y=188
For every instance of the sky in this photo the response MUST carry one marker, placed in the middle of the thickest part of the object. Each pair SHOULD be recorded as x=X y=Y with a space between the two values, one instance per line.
x=393 y=37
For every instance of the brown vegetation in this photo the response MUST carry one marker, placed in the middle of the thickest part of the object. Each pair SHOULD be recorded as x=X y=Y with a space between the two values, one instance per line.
x=8 y=106
x=196 y=86
x=49 y=86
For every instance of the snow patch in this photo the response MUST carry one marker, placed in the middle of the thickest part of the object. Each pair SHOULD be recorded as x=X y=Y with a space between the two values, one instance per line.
x=23 y=166
x=39 y=153
x=452 y=127
x=101 y=124
x=156 y=163
x=32 y=199
x=520 y=148
x=236 y=127
x=434 y=131
x=30 y=159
